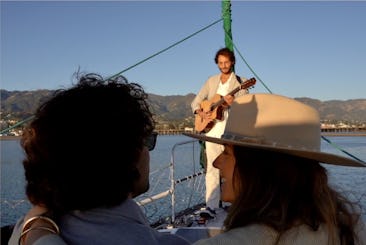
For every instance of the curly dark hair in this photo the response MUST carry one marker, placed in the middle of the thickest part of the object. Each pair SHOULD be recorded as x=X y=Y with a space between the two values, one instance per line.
x=83 y=143
x=225 y=52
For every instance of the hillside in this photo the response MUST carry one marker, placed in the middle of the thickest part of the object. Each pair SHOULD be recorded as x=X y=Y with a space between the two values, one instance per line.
x=176 y=108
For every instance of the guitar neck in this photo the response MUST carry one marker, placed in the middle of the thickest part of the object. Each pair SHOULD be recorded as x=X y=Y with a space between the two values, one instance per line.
x=246 y=84
x=221 y=101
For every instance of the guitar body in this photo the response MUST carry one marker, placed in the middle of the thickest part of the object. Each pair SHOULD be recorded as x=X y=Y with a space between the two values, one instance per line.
x=205 y=125
x=214 y=106
x=202 y=125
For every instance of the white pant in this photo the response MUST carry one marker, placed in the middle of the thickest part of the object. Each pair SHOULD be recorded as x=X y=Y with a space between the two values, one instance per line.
x=212 y=175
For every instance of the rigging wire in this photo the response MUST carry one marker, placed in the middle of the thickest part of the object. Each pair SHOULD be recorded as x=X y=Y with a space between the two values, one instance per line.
x=226 y=14
x=323 y=137
x=227 y=37
x=16 y=125
x=165 y=49
x=342 y=150
x=247 y=64
x=128 y=68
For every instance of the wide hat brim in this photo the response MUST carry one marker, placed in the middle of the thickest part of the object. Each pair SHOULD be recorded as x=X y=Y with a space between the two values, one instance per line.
x=275 y=123
x=322 y=157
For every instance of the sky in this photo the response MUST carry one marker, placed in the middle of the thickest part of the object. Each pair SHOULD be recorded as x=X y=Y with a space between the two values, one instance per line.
x=314 y=49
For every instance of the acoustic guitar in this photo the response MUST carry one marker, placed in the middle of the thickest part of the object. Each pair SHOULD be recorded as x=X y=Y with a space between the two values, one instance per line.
x=214 y=106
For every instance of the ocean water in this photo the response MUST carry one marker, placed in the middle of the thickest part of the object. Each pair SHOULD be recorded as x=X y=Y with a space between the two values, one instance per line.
x=350 y=180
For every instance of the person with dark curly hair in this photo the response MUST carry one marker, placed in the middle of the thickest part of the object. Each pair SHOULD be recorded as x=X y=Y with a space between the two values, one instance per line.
x=86 y=158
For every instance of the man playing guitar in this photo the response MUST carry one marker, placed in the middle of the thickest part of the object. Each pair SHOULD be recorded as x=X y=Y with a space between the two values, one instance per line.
x=218 y=86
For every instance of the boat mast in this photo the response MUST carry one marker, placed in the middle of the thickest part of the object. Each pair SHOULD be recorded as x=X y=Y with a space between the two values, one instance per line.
x=226 y=15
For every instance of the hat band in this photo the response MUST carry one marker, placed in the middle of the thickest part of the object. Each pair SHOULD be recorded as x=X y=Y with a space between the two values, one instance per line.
x=262 y=141
x=241 y=138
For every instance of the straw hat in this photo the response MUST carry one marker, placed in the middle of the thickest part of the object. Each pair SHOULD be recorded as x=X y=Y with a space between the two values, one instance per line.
x=276 y=123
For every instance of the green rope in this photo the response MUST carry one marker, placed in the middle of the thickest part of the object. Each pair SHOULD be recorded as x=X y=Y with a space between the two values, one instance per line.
x=337 y=147
x=228 y=39
x=195 y=33
x=250 y=68
x=16 y=125
x=246 y=63
x=138 y=63
x=323 y=137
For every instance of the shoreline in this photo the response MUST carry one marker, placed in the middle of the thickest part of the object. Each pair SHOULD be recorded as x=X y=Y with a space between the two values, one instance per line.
x=344 y=134
x=8 y=137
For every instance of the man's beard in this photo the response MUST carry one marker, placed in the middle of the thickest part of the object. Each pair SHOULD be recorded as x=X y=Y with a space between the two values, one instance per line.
x=225 y=71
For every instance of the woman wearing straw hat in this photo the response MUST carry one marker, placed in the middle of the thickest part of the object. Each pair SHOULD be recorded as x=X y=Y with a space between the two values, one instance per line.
x=272 y=175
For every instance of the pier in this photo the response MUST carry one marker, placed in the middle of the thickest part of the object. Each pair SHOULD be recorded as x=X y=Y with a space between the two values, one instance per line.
x=342 y=130
x=359 y=131
x=337 y=131
x=170 y=131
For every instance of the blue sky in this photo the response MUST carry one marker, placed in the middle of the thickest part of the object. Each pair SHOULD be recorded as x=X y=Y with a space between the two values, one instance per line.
x=313 y=49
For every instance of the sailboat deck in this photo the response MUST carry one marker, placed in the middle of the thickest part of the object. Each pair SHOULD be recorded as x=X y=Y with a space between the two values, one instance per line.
x=199 y=230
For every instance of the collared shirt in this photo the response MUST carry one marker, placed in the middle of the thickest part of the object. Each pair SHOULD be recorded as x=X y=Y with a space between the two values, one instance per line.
x=123 y=224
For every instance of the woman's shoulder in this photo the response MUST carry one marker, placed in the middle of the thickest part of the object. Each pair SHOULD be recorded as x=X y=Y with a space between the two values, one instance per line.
x=236 y=236
x=263 y=235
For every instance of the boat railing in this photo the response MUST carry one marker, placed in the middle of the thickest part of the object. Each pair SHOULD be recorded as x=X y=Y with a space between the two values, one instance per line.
x=185 y=185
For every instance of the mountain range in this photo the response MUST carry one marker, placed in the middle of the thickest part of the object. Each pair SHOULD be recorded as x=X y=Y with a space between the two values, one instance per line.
x=176 y=108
